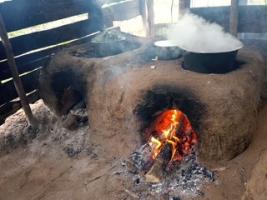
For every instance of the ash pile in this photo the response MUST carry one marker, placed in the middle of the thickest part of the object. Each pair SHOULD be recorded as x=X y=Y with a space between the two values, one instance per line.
x=155 y=178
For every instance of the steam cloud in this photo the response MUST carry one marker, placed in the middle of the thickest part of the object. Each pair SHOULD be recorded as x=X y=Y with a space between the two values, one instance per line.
x=194 y=33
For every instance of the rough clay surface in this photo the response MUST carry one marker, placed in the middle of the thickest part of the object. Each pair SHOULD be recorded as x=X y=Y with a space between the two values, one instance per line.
x=257 y=185
x=115 y=85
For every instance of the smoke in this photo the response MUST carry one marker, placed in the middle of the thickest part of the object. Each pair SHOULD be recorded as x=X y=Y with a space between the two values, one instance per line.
x=194 y=33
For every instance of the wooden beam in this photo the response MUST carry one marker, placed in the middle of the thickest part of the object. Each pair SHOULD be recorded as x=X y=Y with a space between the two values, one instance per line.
x=184 y=6
x=143 y=12
x=234 y=17
x=14 y=71
x=150 y=18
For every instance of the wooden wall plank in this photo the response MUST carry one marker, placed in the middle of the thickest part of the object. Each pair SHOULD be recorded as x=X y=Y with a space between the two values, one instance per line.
x=30 y=82
x=46 y=38
x=14 y=105
x=20 y=14
x=34 y=60
x=33 y=64
x=123 y=11
x=219 y=15
x=252 y=19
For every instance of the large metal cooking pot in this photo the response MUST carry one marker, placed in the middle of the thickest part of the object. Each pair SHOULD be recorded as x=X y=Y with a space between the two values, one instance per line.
x=211 y=62
x=167 y=50
x=112 y=42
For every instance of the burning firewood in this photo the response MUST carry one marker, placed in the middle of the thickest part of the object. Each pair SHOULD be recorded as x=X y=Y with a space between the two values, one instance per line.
x=159 y=166
x=171 y=138
x=155 y=174
x=172 y=127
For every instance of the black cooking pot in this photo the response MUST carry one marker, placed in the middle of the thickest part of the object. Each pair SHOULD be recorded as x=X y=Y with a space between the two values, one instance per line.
x=217 y=63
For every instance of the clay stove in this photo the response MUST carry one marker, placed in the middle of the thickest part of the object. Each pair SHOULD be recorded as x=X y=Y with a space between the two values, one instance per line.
x=126 y=93
x=167 y=161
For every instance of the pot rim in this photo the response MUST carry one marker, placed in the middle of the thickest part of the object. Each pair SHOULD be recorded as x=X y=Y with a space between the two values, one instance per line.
x=212 y=52
x=170 y=43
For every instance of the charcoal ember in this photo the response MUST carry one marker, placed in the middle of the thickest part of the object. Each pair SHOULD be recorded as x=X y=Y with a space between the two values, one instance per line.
x=184 y=180
x=166 y=152
x=192 y=176
x=80 y=112
x=142 y=158
x=69 y=98
x=71 y=151
x=131 y=167
x=70 y=122
x=209 y=174
x=77 y=117
x=175 y=198
x=137 y=180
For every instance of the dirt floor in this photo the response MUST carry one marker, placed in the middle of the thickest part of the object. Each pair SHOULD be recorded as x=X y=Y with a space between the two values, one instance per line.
x=61 y=164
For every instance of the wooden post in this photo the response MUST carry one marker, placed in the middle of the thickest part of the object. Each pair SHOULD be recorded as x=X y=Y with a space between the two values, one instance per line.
x=184 y=6
x=150 y=18
x=143 y=11
x=13 y=68
x=234 y=17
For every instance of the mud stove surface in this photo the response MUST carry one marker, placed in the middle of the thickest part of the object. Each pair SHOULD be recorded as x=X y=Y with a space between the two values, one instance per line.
x=126 y=95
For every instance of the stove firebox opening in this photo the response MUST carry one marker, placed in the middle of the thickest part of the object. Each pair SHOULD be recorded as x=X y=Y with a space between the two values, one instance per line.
x=169 y=119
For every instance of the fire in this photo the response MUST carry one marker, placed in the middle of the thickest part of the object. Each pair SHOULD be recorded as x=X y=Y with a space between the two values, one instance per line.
x=174 y=128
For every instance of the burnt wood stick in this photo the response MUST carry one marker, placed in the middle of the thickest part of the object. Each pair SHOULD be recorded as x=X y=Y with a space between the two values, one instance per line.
x=15 y=74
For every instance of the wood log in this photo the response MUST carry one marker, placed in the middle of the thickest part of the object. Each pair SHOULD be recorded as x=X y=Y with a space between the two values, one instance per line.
x=155 y=174
x=160 y=165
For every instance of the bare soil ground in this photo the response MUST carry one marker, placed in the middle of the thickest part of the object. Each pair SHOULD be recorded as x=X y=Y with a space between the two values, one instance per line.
x=44 y=168
x=58 y=164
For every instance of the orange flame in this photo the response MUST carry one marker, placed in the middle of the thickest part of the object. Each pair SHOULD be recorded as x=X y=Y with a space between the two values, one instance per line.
x=174 y=128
